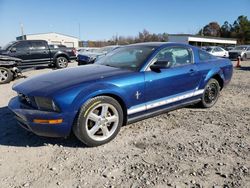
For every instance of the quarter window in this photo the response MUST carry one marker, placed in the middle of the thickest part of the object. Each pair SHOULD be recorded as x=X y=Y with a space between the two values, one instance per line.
x=204 y=56
x=177 y=56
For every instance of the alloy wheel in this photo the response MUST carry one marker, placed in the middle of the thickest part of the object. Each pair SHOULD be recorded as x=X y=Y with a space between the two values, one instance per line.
x=211 y=93
x=102 y=121
x=3 y=75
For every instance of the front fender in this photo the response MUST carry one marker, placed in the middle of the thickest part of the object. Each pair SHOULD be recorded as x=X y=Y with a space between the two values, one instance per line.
x=95 y=90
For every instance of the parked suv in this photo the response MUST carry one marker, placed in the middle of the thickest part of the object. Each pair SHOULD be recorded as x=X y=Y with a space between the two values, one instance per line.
x=37 y=52
x=242 y=51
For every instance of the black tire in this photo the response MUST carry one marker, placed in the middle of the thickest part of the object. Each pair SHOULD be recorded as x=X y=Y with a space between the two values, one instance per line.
x=61 y=62
x=83 y=124
x=211 y=94
x=5 y=75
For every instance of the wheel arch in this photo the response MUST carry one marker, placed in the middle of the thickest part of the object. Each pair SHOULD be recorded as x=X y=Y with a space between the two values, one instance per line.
x=219 y=79
x=113 y=91
x=215 y=74
x=121 y=102
x=60 y=55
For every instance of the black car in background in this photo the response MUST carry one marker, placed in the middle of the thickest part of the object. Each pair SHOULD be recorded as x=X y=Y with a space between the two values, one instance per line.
x=37 y=52
x=90 y=57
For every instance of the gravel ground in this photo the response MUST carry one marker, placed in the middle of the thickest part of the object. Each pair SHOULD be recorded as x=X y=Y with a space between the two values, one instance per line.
x=190 y=147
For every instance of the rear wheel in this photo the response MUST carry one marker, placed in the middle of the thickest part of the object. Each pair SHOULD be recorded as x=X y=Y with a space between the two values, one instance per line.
x=5 y=75
x=99 y=121
x=61 y=62
x=210 y=94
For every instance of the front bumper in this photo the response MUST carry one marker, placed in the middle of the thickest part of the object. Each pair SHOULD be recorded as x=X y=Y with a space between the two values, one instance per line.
x=25 y=116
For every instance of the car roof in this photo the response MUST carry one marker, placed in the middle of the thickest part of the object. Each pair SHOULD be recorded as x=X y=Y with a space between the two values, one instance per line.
x=159 y=44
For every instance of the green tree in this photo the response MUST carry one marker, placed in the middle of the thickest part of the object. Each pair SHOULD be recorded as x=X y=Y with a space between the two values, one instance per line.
x=212 y=29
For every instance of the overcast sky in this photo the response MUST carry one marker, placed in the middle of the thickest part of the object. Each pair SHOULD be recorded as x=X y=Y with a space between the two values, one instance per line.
x=102 y=19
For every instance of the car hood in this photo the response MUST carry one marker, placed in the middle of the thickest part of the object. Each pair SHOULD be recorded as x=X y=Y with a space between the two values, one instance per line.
x=55 y=81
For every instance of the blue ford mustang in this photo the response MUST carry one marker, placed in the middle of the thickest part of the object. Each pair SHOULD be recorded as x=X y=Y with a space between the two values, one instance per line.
x=129 y=84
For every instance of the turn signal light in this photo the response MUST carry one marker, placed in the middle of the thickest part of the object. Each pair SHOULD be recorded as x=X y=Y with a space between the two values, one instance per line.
x=48 y=121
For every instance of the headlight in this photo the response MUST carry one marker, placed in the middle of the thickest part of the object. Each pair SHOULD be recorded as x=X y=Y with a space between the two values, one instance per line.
x=44 y=103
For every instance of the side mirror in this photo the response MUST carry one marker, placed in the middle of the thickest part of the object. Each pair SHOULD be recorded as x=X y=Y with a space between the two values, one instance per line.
x=13 y=50
x=160 y=64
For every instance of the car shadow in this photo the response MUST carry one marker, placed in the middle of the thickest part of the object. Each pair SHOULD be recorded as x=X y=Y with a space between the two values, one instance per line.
x=244 y=68
x=11 y=134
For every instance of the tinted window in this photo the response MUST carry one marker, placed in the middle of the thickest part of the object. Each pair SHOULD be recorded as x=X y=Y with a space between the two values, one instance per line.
x=177 y=56
x=203 y=56
x=38 y=45
x=21 y=46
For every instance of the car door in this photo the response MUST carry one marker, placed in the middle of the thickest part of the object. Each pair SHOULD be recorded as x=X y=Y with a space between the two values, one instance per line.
x=39 y=52
x=177 y=82
x=21 y=50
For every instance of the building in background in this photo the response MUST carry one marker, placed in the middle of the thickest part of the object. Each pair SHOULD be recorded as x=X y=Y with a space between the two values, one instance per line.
x=197 y=40
x=52 y=38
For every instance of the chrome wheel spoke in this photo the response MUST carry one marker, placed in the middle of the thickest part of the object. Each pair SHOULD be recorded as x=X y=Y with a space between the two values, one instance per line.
x=93 y=117
x=105 y=131
x=112 y=119
x=94 y=129
x=104 y=111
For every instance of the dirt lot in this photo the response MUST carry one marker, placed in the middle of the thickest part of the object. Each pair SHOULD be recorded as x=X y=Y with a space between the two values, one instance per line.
x=189 y=147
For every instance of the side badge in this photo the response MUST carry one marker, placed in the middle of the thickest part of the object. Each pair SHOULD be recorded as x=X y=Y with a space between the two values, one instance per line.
x=137 y=95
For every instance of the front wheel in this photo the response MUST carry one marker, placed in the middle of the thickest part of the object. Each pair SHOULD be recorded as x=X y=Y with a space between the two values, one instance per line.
x=61 y=62
x=210 y=94
x=5 y=75
x=99 y=121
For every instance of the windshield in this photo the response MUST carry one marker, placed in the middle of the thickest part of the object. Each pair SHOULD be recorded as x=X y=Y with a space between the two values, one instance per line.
x=130 y=57
x=7 y=45
x=105 y=49
x=240 y=48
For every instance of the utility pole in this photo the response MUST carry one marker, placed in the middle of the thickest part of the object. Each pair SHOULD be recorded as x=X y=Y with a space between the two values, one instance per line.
x=79 y=31
x=22 y=32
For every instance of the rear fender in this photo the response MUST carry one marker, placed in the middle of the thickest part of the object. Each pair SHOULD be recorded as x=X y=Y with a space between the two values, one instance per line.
x=61 y=54
x=213 y=72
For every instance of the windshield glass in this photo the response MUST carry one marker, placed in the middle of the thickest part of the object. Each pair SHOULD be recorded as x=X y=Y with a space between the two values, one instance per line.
x=7 y=45
x=130 y=57
x=105 y=49
x=240 y=48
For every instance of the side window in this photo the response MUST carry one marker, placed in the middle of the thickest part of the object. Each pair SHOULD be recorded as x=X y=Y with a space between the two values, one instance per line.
x=218 y=49
x=38 y=45
x=177 y=56
x=204 y=56
x=22 y=46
